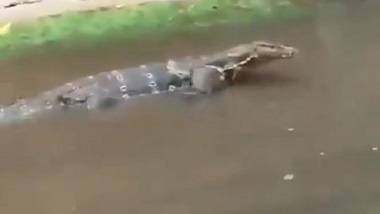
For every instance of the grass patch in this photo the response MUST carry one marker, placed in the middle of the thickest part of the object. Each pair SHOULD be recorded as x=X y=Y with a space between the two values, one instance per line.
x=153 y=19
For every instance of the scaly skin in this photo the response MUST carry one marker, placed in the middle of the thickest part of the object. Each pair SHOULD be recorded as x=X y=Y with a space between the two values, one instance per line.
x=204 y=75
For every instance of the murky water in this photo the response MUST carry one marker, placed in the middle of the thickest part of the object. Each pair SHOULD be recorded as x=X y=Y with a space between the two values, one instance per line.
x=316 y=117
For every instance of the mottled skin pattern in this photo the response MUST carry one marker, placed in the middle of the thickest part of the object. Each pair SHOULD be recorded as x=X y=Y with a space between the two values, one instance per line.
x=101 y=91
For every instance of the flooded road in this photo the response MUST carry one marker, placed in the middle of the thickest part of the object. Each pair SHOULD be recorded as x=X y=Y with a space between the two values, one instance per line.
x=294 y=137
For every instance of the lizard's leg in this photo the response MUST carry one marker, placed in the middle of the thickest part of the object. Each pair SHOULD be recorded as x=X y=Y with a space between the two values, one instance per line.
x=207 y=79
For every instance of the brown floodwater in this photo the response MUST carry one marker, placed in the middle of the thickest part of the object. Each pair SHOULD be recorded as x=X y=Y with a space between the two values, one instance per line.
x=294 y=137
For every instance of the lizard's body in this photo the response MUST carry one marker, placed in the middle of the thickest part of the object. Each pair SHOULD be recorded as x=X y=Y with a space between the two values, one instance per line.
x=204 y=75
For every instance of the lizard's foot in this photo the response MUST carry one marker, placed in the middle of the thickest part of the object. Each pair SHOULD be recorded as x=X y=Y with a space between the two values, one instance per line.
x=69 y=101
x=176 y=69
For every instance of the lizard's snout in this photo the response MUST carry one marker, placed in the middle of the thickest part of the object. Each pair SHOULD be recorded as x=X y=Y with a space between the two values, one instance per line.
x=289 y=52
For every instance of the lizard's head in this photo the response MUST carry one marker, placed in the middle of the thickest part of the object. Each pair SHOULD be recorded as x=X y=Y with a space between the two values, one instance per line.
x=271 y=51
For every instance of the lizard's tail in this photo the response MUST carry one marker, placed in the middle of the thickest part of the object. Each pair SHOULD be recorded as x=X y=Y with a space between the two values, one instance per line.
x=22 y=110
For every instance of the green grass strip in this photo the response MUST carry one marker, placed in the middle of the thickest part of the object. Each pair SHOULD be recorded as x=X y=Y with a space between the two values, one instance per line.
x=153 y=19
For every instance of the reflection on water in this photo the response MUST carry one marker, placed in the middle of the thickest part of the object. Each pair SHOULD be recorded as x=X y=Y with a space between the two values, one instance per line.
x=314 y=118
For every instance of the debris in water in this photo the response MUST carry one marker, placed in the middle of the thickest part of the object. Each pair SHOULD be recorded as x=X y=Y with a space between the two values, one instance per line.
x=291 y=129
x=322 y=154
x=375 y=149
x=288 y=177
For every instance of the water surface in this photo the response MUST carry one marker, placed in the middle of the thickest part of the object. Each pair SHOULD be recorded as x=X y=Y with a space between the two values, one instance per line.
x=315 y=117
